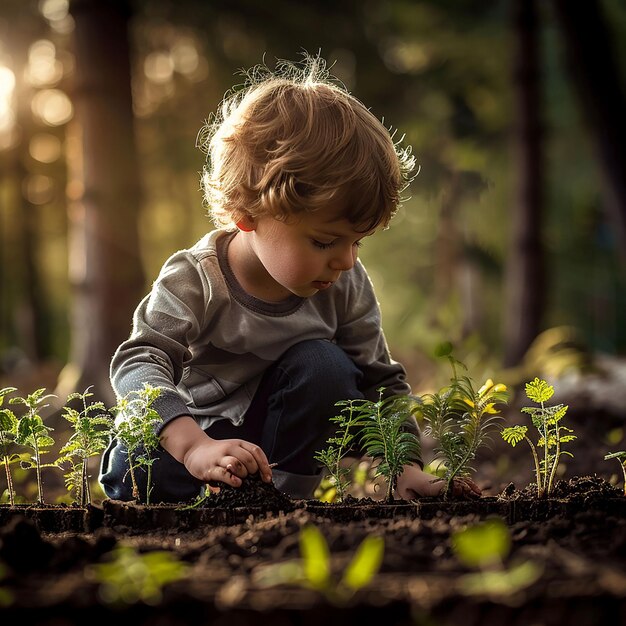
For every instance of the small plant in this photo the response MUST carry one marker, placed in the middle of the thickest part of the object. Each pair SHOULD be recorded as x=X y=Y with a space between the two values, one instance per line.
x=484 y=547
x=136 y=431
x=552 y=434
x=34 y=434
x=130 y=577
x=339 y=445
x=200 y=499
x=313 y=570
x=621 y=459
x=384 y=438
x=8 y=435
x=92 y=428
x=460 y=419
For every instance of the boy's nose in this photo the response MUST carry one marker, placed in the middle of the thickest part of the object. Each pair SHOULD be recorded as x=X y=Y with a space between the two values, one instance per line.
x=344 y=259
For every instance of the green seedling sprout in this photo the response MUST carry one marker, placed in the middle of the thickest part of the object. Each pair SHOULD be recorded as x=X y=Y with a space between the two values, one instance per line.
x=129 y=577
x=339 y=446
x=621 y=459
x=314 y=571
x=460 y=419
x=384 y=438
x=34 y=434
x=552 y=434
x=92 y=426
x=8 y=435
x=136 y=431
x=484 y=547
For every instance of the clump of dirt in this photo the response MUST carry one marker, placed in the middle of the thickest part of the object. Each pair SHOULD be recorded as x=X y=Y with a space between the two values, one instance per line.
x=576 y=488
x=252 y=493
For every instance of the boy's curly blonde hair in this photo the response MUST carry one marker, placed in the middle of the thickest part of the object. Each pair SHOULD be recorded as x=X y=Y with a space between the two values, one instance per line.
x=295 y=140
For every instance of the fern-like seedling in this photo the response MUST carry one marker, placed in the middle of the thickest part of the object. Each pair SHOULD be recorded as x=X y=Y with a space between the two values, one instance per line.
x=552 y=434
x=34 y=434
x=91 y=425
x=384 y=437
x=460 y=419
x=8 y=435
x=339 y=445
x=136 y=430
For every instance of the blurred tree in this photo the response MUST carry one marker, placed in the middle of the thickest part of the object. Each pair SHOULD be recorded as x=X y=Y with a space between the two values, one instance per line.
x=104 y=196
x=30 y=307
x=525 y=281
x=598 y=84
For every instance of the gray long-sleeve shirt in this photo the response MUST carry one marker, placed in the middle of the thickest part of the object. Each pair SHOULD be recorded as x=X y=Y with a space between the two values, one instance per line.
x=206 y=342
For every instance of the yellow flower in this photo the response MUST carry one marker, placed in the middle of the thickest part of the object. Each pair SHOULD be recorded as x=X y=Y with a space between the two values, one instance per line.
x=486 y=387
x=499 y=387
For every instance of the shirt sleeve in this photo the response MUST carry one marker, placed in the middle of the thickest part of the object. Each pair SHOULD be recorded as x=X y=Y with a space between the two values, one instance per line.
x=165 y=323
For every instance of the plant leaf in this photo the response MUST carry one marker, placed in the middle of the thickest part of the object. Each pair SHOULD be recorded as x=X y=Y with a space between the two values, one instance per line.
x=365 y=563
x=315 y=556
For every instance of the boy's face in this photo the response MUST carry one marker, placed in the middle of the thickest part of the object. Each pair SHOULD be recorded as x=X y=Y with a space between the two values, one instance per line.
x=306 y=254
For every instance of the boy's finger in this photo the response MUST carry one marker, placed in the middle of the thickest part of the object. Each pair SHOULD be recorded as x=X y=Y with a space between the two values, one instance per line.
x=235 y=466
x=222 y=475
x=261 y=460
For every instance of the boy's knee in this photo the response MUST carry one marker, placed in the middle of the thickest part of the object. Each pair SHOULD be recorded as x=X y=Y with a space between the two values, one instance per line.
x=325 y=365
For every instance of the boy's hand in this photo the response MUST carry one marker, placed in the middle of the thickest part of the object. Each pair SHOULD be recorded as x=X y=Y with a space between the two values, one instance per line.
x=414 y=482
x=213 y=460
x=227 y=461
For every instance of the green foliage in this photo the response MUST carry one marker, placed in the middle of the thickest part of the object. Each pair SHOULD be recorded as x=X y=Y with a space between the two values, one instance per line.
x=136 y=431
x=384 y=438
x=460 y=419
x=34 y=434
x=314 y=569
x=339 y=446
x=130 y=577
x=92 y=427
x=552 y=434
x=484 y=547
x=380 y=428
x=483 y=544
x=199 y=501
x=621 y=459
x=8 y=435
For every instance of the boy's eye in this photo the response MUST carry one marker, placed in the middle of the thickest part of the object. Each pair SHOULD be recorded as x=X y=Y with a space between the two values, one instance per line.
x=322 y=245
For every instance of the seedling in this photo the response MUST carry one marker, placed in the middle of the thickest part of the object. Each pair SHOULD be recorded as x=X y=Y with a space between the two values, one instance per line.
x=8 y=434
x=313 y=570
x=460 y=419
x=621 y=459
x=484 y=547
x=384 y=438
x=552 y=434
x=92 y=428
x=136 y=431
x=130 y=577
x=34 y=434
x=339 y=446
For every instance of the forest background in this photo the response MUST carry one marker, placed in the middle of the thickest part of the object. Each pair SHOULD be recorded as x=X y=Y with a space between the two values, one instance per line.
x=515 y=227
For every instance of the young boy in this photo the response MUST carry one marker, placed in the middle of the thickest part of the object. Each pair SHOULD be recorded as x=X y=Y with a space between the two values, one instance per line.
x=257 y=331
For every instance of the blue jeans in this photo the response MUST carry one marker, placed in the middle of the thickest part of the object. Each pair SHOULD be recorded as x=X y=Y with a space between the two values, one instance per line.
x=289 y=418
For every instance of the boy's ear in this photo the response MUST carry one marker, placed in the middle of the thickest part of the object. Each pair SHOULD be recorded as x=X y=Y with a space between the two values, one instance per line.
x=246 y=224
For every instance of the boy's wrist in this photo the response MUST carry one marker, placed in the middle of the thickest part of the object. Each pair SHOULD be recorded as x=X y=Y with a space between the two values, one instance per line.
x=180 y=436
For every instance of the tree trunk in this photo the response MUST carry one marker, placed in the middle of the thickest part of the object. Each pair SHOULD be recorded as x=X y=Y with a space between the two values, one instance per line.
x=104 y=196
x=525 y=291
x=597 y=81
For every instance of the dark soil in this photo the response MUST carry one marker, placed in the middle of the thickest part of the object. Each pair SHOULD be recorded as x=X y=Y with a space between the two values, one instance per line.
x=581 y=556
x=252 y=493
